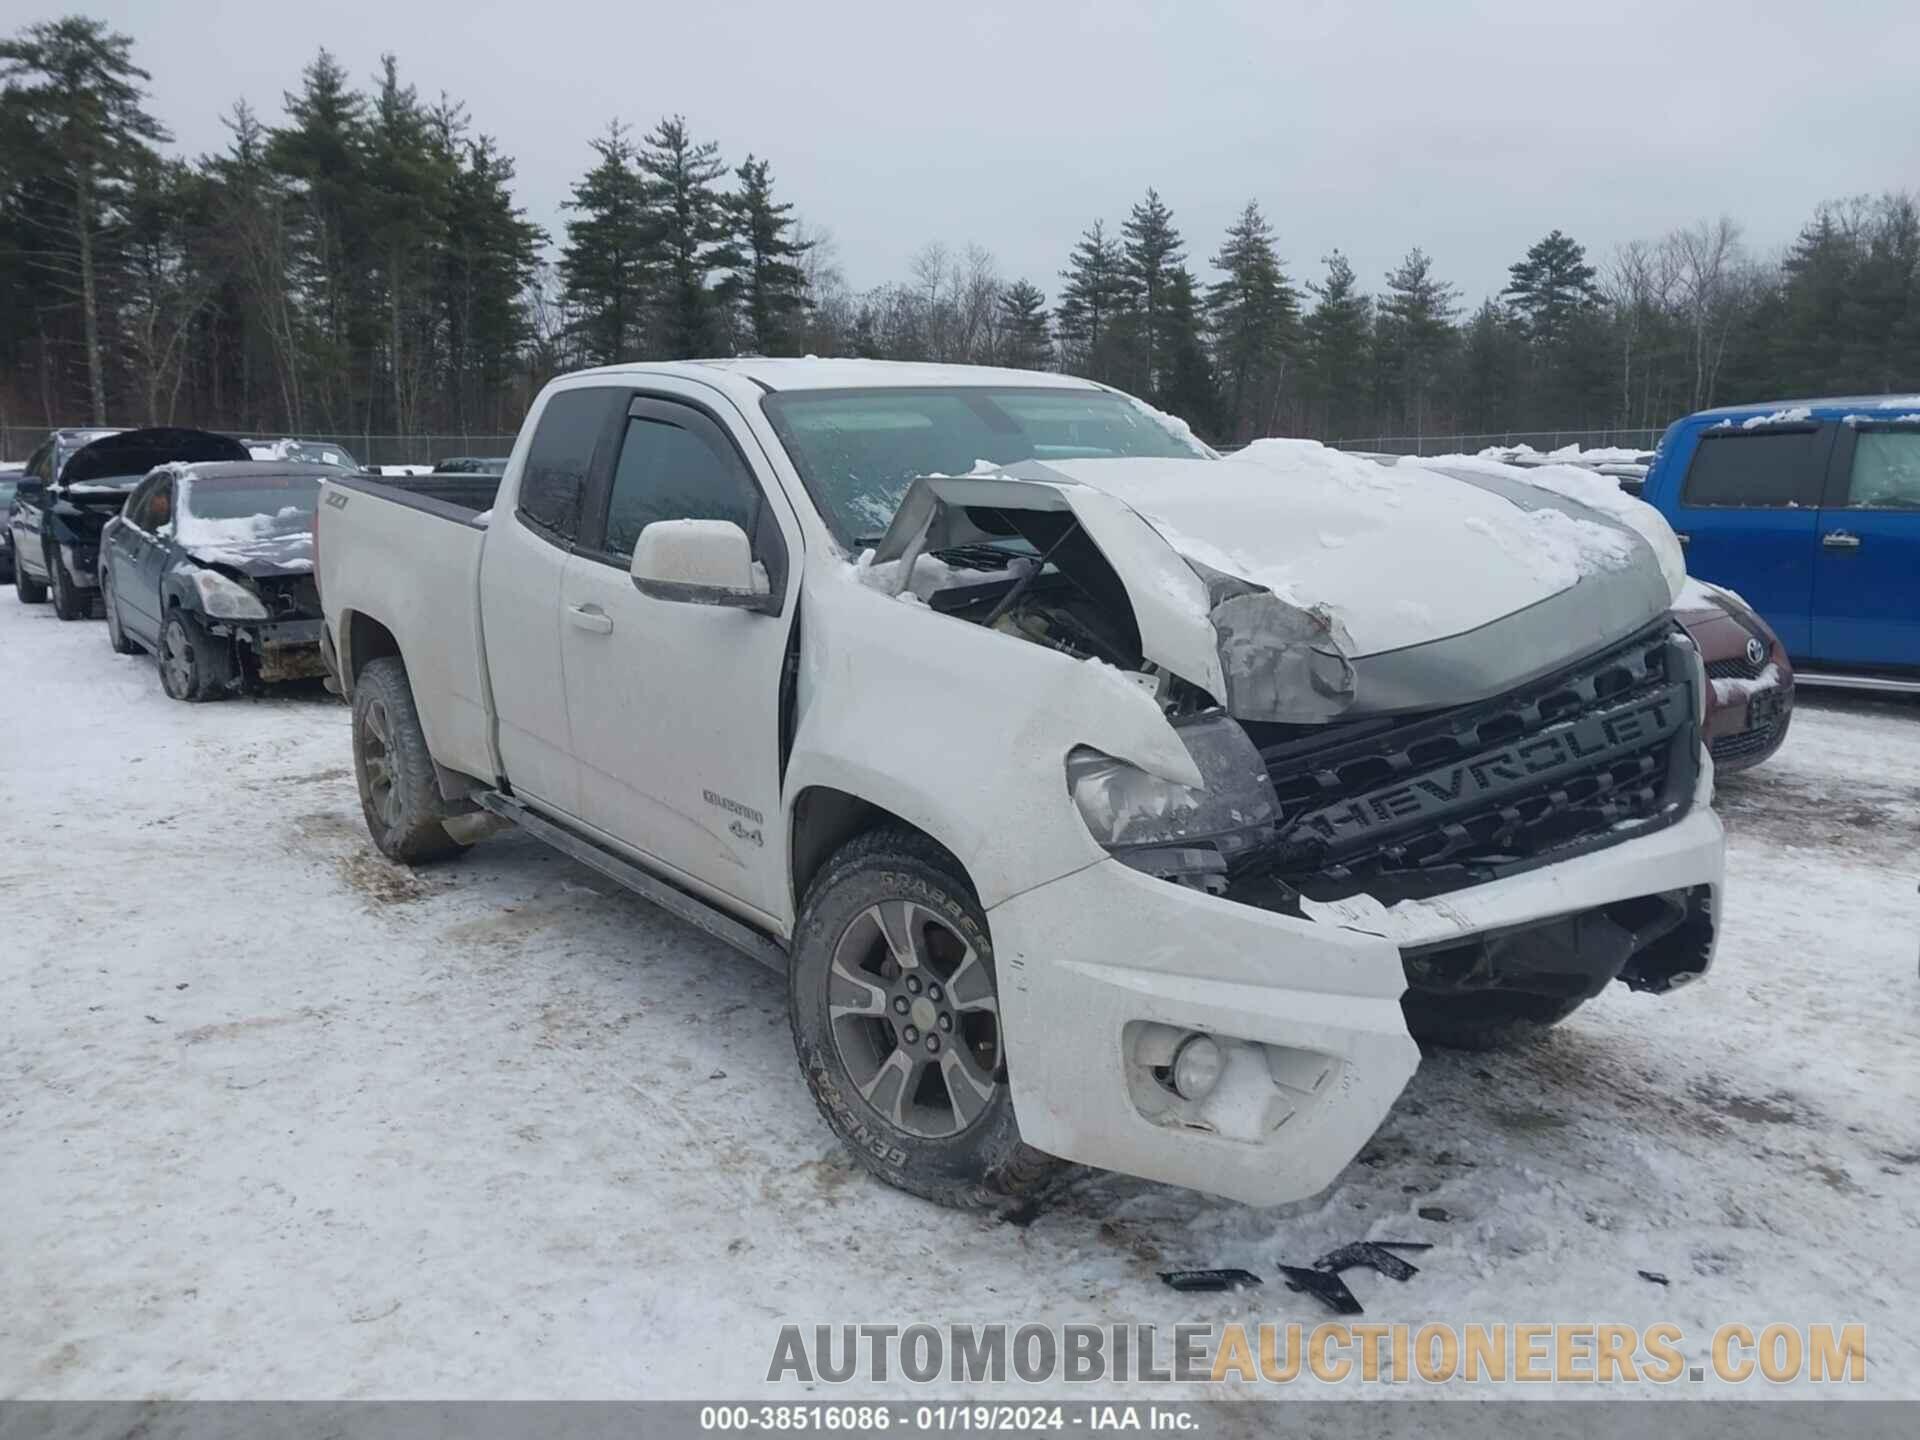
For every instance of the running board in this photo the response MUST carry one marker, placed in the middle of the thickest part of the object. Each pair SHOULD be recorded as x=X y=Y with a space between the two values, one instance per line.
x=1885 y=684
x=664 y=893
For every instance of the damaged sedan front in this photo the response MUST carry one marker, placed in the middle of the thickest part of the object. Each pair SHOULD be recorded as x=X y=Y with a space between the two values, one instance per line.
x=210 y=568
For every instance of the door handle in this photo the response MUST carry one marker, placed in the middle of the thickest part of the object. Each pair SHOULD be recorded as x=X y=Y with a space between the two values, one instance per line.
x=1840 y=540
x=590 y=618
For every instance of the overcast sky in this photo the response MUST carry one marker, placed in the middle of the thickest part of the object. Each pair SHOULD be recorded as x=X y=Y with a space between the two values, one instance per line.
x=1015 y=123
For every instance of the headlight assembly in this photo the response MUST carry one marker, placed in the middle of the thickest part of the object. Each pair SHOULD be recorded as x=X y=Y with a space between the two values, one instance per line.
x=1161 y=827
x=226 y=600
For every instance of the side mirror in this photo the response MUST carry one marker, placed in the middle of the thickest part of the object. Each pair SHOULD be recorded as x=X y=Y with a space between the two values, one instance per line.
x=702 y=562
x=29 y=487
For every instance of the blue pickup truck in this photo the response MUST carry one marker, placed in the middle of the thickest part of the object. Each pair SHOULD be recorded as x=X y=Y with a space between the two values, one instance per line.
x=1810 y=510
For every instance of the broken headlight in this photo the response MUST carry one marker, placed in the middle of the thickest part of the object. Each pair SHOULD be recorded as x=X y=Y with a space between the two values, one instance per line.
x=1177 y=831
x=225 y=599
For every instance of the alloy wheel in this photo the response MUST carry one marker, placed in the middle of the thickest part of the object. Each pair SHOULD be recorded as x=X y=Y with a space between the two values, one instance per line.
x=913 y=1015
x=376 y=755
x=177 y=660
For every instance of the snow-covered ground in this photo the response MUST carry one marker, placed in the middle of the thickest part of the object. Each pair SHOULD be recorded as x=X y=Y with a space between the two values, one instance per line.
x=279 y=1119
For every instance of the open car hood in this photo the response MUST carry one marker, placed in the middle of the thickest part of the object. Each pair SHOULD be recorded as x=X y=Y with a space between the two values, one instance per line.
x=130 y=454
x=1296 y=584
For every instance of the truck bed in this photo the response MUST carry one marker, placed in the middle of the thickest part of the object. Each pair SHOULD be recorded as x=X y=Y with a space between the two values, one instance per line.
x=407 y=550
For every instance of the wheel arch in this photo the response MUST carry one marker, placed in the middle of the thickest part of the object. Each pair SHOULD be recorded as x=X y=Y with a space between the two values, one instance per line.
x=362 y=640
x=823 y=818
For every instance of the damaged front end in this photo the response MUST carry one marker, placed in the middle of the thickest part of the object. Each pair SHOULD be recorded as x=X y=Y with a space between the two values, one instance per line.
x=271 y=622
x=1328 y=789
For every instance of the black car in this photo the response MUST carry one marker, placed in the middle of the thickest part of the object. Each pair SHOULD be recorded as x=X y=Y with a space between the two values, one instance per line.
x=7 y=477
x=472 y=465
x=72 y=486
x=210 y=568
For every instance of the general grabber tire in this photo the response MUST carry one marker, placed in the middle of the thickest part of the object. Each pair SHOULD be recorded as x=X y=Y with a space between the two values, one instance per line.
x=398 y=791
x=1482 y=1020
x=894 y=1008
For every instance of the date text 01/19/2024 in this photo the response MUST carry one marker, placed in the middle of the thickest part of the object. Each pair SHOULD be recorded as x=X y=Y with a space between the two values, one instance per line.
x=976 y=1418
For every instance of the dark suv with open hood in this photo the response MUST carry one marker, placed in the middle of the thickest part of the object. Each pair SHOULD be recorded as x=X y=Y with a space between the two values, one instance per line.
x=73 y=485
x=210 y=568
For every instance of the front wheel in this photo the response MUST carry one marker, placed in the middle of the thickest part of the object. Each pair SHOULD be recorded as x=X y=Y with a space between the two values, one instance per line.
x=26 y=589
x=68 y=602
x=399 y=793
x=193 y=664
x=896 y=1019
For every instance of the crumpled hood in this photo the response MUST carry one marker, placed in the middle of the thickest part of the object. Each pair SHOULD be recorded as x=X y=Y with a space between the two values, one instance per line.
x=1296 y=584
x=274 y=555
x=1402 y=555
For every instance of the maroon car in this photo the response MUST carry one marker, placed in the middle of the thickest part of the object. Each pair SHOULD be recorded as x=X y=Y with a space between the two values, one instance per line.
x=1750 y=680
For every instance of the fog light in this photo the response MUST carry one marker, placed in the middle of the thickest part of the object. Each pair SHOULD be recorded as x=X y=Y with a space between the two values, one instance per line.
x=1197 y=1066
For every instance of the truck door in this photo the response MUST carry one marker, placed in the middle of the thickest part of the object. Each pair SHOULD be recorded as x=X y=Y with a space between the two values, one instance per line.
x=1746 y=512
x=521 y=564
x=1866 y=577
x=674 y=706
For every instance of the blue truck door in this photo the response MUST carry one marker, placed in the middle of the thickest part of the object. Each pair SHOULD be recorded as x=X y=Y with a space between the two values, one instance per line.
x=1866 y=570
x=1746 y=508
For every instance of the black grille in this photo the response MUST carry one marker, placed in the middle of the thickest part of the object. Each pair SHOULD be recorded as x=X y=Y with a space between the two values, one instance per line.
x=1417 y=806
x=1736 y=668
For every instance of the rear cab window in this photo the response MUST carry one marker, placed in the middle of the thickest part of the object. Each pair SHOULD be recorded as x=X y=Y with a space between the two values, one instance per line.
x=553 y=483
x=1762 y=468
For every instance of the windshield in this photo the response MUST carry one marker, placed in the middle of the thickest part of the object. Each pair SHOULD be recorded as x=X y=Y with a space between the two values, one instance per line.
x=243 y=511
x=859 y=450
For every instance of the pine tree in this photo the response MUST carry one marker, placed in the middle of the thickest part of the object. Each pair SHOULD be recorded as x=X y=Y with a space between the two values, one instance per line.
x=610 y=257
x=79 y=125
x=1550 y=285
x=489 y=251
x=1025 y=343
x=1339 y=341
x=1414 y=336
x=692 y=226
x=1253 y=313
x=408 y=179
x=1187 y=386
x=322 y=156
x=1090 y=300
x=764 y=283
x=1151 y=251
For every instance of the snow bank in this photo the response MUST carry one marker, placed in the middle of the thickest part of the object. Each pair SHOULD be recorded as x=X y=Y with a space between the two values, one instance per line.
x=1568 y=454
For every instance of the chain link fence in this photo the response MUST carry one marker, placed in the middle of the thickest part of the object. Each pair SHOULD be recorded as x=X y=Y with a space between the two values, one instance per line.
x=17 y=442
x=1641 y=440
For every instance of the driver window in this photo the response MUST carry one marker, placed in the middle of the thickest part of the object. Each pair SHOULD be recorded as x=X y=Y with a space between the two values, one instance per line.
x=670 y=472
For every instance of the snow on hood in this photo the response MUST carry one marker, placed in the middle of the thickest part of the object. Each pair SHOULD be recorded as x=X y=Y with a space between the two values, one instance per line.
x=1591 y=489
x=255 y=544
x=1401 y=555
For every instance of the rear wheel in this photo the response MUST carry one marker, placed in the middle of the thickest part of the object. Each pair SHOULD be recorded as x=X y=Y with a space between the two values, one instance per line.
x=399 y=792
x=193 y=664
x=116 y=636
x=1483 y=1019
x=896 y=1019
x=68 y=602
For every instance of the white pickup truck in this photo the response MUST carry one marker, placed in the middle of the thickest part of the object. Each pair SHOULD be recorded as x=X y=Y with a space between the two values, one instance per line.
x=1100 y=798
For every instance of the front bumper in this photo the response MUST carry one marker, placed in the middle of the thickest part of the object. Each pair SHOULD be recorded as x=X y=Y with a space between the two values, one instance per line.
x=1101 y=970
x=281 y=649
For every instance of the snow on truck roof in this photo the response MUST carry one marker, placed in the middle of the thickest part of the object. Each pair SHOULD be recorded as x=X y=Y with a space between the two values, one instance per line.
x=813 y=373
